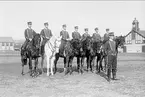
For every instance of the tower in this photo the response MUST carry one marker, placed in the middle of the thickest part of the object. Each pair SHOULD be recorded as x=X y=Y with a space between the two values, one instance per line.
x=135 y=25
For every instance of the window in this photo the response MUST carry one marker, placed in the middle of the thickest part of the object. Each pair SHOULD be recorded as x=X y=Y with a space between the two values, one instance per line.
x=3 y=44
x=7 y=44
x=11 y=44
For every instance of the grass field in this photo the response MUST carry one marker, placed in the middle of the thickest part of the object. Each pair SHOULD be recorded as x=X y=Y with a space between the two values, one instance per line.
x=130 y=83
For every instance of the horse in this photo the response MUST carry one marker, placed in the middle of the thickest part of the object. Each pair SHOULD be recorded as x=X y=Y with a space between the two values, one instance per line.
x=86 y=51
x=50 y=50
x=32 y=53
x=95 y=52
x=120 y=40
x=72 y=49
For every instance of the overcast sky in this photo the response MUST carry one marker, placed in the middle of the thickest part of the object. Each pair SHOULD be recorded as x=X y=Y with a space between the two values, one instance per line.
x=116 y=15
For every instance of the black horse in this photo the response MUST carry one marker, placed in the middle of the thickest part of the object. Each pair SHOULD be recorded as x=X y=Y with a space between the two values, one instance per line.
x=95 y=53
x=86 y=52
x=120 y=40
x=31 y=52
x=71 y=50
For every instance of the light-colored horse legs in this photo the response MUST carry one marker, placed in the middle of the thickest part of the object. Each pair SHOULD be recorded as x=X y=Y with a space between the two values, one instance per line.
x=52 y=64
x=48 y=65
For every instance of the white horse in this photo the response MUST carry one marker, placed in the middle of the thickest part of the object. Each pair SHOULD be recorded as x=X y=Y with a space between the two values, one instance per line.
x=51 y=48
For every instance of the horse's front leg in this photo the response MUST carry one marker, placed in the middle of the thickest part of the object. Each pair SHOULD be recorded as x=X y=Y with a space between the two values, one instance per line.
x=55 y=62
x=48 y=65
x=36 y=73
x=82 y=64
x=42 y=62
x=66 y=64
x=78 y=65
x=70 y=64
x=52 y=65
x=30 y=66
x=88 y=62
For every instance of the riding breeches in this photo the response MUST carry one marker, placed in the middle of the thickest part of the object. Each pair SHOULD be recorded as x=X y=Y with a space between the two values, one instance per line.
x=62 y=45
x=112 y=62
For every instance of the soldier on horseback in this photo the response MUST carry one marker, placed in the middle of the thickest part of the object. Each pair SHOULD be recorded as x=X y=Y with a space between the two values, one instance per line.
x=29 y=34
x=76 y=34
x=65 y=36
x=46 y=35
x=110 y=48
x=96 y=36
x=86 y=34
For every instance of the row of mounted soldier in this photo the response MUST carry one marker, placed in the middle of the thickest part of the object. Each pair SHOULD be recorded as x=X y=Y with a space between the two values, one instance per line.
x=85 y=46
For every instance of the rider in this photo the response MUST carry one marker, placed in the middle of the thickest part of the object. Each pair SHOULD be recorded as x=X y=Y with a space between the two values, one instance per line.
x=76 y=34
x=46 y=35
x=96 y=36
x=29 y=34
x=65 y=36
x=86 y=34
x=106 y=36
x=110 y=47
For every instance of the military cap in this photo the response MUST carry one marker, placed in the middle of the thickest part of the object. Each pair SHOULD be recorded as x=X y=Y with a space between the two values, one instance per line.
x=111 y=34
x=64 y=25
x=96 y=28
x=46 y=23
x=86 y=29
x=76 y=27
x=107 y=29
x=29 y=23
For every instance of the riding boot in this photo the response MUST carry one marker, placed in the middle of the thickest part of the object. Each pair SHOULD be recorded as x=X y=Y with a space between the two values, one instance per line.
x=113 y=74
x=109 y=74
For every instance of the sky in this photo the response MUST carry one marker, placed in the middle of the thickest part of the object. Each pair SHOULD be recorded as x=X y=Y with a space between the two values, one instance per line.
x=115 y=15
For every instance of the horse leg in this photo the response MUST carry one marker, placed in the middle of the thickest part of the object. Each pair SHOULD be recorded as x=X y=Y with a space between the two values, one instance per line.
x=82 y=64
x=88 y=61
x=42 y=61
x=36 y=67
x=55 y=62
x=52 y=64
x=22 y=69
x=105 y=63
x=91 y=62
x=48 y=64
x=66 y=64
x=70 y=65
x=78 y=64
x=30 y=66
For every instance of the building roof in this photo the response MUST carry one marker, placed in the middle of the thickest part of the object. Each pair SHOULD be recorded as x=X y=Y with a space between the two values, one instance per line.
x=142 y=32
x=6 y=39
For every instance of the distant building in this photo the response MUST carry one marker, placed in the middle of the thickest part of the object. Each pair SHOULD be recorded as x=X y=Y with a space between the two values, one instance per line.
x=6 y=43
x=18 y=44
x=135 y=39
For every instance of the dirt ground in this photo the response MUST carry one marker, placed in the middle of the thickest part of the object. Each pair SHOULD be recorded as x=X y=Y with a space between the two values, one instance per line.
x=130 y=83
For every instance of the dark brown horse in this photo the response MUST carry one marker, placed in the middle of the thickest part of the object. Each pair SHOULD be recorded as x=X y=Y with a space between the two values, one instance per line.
x=120 y=40
x=32 y=53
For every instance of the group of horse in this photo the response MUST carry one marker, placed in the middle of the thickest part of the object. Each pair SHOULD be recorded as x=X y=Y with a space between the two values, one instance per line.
x=81 y=49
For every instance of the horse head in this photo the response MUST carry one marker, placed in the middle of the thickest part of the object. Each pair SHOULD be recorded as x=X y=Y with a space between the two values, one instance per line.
x=57 y=43
x=120 y=40
x=36 y=41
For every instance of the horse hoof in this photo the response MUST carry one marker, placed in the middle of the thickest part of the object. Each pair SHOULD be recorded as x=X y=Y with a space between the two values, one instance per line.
x=22 y=74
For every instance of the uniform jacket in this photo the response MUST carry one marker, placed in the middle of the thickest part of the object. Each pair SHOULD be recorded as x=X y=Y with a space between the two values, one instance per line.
x=106 y=36
x=110 y=48
x=29 y=33
x=64 y=34
x=85 y=35
x=96 y=37
x=76 y=35
x=46 y=33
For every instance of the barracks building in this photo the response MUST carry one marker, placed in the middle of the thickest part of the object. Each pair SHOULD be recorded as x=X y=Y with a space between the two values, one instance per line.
x=135 y=39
